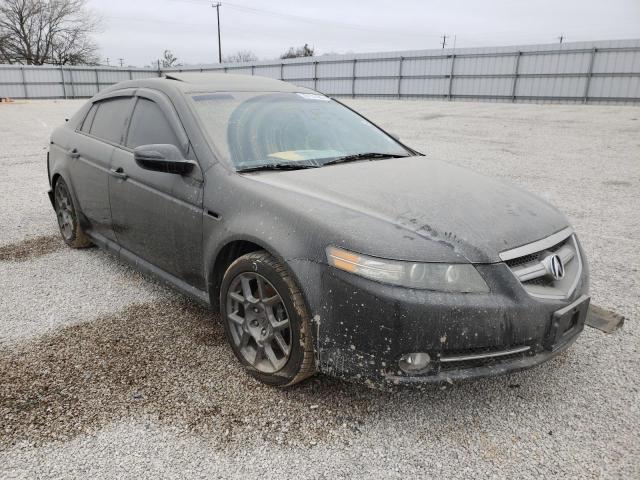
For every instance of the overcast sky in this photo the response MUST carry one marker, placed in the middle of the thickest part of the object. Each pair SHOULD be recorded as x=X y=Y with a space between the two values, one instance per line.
x=139 y=31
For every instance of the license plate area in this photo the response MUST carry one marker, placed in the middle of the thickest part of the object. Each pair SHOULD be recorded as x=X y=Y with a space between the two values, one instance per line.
x=568 y=322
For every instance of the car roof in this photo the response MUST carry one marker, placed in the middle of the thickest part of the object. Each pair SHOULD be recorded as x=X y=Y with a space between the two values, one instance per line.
x=193 y=81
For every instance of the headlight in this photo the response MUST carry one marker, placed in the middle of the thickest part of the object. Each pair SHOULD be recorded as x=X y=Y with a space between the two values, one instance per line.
x=443 y=277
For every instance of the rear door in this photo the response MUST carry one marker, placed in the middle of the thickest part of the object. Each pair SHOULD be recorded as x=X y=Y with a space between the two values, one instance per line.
x=93 y=145
x=158 y=216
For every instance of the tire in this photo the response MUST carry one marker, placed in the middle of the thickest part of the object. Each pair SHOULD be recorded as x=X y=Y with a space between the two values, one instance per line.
x=259 y=301
x=67 y=216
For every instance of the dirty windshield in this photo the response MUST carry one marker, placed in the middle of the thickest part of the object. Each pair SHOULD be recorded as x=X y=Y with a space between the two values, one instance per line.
x=254 y=130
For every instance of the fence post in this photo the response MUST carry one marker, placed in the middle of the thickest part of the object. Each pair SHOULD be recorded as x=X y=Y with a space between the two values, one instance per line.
x=130 y=75
x=353 y=79
x=589 y=75
x=24 y=83
x=253 y=68
x=400 y=76
x=453 y=59
x=97 y=80
x=315 y=75
x=73 y=87
x=515 y=77
x=282 y=71
x=64 y=85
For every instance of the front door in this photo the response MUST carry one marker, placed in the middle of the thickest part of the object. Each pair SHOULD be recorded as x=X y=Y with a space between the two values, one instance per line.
x=156 y=215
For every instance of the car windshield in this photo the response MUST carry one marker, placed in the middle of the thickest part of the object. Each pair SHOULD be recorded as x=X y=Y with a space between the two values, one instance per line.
x=289 y=130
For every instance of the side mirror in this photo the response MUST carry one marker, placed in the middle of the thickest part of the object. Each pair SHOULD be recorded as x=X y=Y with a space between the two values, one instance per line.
x=162 y=158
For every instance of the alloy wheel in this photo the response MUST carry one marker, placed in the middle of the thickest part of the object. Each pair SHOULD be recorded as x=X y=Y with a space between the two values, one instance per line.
x=64 y=210
x=258 y=322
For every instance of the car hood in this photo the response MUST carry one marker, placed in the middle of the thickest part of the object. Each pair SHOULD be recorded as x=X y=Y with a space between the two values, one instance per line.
x=477 y=216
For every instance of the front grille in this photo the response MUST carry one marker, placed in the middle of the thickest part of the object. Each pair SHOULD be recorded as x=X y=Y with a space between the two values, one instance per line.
x=531 y=265
x=522 y=260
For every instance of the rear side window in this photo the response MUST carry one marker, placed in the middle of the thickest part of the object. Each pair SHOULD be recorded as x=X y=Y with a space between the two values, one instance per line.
x=109 y=120
x=149 y=126
x=88 y=120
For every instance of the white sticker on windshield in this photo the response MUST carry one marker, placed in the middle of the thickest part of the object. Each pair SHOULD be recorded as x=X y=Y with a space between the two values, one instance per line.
x=314 y=96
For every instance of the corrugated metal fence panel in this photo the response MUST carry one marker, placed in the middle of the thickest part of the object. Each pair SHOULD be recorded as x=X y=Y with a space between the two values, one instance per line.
x=112 y=76
x=490 y=65
x=271 y=71
x=42 y=75
x=423 y=86
x=297 y=70
x=10 y=75
x=85 y=76
x=490 y=87
x=621 y=62
x=620 y=87
x=607 y=71
x=335 y=69
x=382 y=68
x=426 y=66
x=332 y=86
x=376 y=86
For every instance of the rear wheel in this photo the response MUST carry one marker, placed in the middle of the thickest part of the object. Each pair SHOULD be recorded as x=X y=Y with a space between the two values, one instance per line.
x=266 y=320
x=67 y=217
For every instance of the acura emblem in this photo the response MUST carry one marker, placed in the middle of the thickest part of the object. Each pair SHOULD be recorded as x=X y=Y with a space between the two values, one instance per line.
x=554 y=266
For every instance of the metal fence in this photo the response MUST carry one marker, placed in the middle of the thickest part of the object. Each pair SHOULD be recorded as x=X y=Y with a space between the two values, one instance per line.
x=585 y=72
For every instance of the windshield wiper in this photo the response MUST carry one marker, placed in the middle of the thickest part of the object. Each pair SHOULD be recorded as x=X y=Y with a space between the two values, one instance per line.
x=277 y=166
x=362 y=156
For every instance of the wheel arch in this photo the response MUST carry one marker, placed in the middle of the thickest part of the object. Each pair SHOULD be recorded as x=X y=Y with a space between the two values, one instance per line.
x=231 y=250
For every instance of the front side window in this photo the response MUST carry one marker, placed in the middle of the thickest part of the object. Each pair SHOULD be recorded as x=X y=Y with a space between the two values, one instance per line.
x=256 y=129
x=110 y=119
x=149 y=126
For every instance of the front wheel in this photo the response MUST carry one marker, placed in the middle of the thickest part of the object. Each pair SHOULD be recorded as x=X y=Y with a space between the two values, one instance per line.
x=266 y=320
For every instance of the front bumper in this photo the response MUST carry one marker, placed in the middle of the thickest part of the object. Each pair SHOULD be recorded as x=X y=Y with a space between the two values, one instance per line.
x=364 y=327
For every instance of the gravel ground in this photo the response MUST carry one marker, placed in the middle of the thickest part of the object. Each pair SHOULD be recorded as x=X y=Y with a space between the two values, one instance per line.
x=105 y=373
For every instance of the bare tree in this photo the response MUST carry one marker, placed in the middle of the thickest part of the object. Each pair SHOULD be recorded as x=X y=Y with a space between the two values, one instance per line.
x=4 y=54
x=169 y=60
x=304 y=51
x=35 y=32
x=240 y=56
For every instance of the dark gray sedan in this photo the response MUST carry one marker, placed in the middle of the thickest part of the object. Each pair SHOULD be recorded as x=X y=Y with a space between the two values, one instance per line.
x=324 y=242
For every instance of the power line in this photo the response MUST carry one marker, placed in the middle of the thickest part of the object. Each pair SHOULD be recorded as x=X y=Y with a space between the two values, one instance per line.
x=299 y=18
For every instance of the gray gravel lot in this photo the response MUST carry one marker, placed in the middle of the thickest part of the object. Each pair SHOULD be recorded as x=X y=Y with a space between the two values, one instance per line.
x=105 y=373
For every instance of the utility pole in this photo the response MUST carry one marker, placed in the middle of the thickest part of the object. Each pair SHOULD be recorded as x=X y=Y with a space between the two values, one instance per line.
x=217 y=7
x=561 y=37
x=444 y=40
x=121 y=60
x=108 y=64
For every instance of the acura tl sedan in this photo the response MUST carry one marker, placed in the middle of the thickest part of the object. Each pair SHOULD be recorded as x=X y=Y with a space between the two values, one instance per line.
x=324 y=242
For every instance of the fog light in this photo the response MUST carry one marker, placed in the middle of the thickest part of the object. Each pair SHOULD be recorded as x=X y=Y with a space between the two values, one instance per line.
x=414 y=362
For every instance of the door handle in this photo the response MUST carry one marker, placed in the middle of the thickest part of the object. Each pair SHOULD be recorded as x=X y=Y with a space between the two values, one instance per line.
x=118 y=173
x=74 y=153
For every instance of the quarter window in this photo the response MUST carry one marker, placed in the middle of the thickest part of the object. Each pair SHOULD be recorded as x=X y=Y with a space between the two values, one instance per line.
x=86 y=125
x=110 y=119
x=150 y=126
